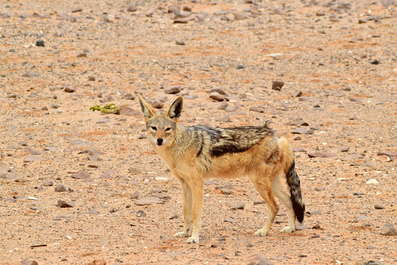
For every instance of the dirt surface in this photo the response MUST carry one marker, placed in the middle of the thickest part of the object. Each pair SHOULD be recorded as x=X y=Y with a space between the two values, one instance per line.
x=72 y=180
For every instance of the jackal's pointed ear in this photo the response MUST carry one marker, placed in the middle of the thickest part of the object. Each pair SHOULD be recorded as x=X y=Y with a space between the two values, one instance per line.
x=147 y=110
x=175 y=110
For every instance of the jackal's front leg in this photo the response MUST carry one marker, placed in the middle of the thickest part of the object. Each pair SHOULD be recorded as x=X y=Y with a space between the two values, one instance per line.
x=197 y=203
x=187 y=208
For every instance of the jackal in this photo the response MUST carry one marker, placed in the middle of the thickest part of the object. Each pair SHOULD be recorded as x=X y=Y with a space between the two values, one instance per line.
x=196 y=153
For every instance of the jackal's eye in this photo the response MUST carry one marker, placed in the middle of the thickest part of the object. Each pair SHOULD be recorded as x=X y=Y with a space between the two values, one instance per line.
x=168 y=129
x=154 y=128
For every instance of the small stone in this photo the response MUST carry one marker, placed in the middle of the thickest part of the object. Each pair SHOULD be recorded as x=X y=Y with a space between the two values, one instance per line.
x=3 y=170
x=65 y=204
x=32 y=151
x=180 y=42
x=132 y=8
x=48 y=183
x=345 y=149
x=129 y=96
x=69 y=89
x=238 y=207
x=299 y=149
x=229 y=220
x=105 y=175
x=223 y=105
x=127 y=111
x=218 y=89
x=240 y=16
x=29 y=262
x=321 y=154
x=259 y=259
x=388 y=230
x=174 y=9
x=240 y=67
x=277 y=85
x=32 y=158
x=98 y=261
x=14 y=177
x=147 y=201
x=387 y=153
x=40 y=43
x=372 y=181
x=157 y=104
x=319 y=188
x=256 y=109
x=60 y=188
x=81 y=175
x=217 y=96
x=302 y=131
x=135 y=195
x=31 y=74
x=82 y=54
x=362 y=21
x=77 y=9
x=173 y=89
x=297 y=94
x=374 y=62
x=379 y=206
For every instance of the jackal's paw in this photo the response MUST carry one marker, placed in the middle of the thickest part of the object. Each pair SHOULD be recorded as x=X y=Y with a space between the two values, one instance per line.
x=192 y=240
x=260 y=233
x=287 y=229
x=181 y=234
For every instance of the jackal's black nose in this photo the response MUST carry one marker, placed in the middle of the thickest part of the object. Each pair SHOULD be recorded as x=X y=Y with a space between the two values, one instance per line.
x=160 y=141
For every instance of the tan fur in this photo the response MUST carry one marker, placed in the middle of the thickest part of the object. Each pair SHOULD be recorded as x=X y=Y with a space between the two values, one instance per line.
x=194 y=154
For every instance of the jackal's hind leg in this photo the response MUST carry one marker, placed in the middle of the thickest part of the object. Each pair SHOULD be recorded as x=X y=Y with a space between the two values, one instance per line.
x=280 y=193
x=197 y=205
x=265 y=190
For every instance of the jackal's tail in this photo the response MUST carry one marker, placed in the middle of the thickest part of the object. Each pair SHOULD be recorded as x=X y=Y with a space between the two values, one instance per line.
x=293 y=181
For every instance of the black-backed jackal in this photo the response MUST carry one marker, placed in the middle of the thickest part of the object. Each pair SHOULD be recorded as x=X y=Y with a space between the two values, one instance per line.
x=196 y=153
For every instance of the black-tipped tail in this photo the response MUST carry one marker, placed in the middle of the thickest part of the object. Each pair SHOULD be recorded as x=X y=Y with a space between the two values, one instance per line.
x=296 y=195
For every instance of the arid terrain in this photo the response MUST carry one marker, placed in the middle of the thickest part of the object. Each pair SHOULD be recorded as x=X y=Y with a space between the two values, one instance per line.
x=79 y=186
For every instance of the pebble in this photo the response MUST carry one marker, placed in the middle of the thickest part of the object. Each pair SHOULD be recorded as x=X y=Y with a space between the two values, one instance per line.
x=127 y=111
x=372 y=181
x=132 y=8
x=32 y=151
x=229 y=220
x=98 y=261
x=387 y=153
x=174 y=9
x=3 y=170
x=65 y=204
x=60 y=188
x=321 y=154
x=353 y=156
x=180 y=42
x=69 y=89
x=238 y=207
x=173 y=89
x=32 y=158
x=277 y=85
x=31 y=74
x=81 y=175
x=256 y=109
x=48 y=183
x=379 y=206
x=299 y=149
x=14 y=177
x=302 y=131
x=40 y=43
x=217 y=96
x=147 y=201
x=219 y=90
x=223 y=105
x=259 y=259
x=29 y=262
x=388 y=229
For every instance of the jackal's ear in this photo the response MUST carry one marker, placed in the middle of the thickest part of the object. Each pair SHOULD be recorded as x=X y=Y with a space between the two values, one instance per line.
x=175 y=110
x=147 y=110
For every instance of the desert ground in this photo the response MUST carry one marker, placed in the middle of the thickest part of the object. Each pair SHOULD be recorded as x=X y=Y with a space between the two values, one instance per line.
x=79 y=186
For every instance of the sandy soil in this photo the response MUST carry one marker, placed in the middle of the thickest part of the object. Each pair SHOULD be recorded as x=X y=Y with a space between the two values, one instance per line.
x=71 y=179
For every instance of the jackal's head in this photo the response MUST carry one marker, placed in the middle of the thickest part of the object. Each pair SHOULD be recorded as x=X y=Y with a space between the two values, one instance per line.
x=161 y=126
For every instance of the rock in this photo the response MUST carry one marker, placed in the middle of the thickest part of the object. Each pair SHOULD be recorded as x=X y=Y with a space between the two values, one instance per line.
x=387 y=153
x=297 y=123
x=219 y=90
x=344 y=149
x=297 y=94
x=135 y=195
x=81 y=175
x=321 y=154
x=147 y=201
x=14 y=177
x=48 y=183
x=173 y=89
x=134 y=171
x=69 y=89
x=98 y=262
x=388 y=230
x=256 y=109
x=259 y=259
x=379 y=206
x=129 y=96
x=240 y=67
x=157 y=104
x=185 y=20
x=372 y=181
x=3 y=170
x=238 y=207
x=40 y=43
x=105 y=175
x=302 y=131
x=217 y=96
x=174 y=9
x=229 y=220
x=29 y=262
x=362 y=21
x=319 y=188
x=127 y=111
x=353 y=156
x=277 y=85
x=77 y=9
x=83 y=54
x=31 y=74
x=368 y=262
x=65 y=204
x=299 y=149
x=132 y=8
x=32 y=158
x=60 y=188
x=300 y=226
x=180 y=42
x=240 y=16
x=32 y=151
x=223 y=105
